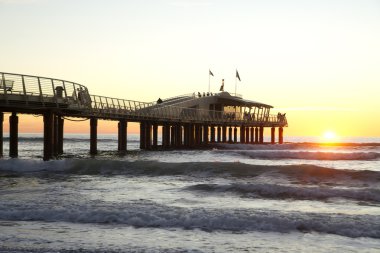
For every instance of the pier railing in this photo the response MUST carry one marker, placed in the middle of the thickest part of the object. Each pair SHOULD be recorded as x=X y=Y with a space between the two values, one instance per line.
x=16 y=89
x=109 y=107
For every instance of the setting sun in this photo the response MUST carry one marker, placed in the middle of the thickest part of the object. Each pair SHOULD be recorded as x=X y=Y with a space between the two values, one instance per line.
x=329 y=136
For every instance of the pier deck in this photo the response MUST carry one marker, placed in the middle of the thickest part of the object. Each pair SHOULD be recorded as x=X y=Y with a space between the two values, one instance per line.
x=187 y=120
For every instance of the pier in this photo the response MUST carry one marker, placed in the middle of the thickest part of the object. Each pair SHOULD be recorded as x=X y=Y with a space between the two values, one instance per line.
x=187 y=121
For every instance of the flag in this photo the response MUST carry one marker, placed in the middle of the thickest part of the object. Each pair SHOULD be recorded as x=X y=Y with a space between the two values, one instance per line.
x=210 y=73
x=237 y=75
x=222 y=86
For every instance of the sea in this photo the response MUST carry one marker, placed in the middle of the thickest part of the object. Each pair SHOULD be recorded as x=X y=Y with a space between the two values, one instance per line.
x=300 y=196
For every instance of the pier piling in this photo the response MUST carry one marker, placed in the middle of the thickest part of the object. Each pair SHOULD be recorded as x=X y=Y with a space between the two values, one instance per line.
x=49 y=119
x=280 y=135
x=13 y=135
x=1 y=133
x=93 y=136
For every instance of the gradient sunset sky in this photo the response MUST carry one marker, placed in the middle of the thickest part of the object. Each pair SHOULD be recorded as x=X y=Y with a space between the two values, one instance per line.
x=318 y=61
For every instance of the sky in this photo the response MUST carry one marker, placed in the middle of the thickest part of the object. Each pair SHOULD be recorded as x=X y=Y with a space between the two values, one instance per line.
x=318 y=61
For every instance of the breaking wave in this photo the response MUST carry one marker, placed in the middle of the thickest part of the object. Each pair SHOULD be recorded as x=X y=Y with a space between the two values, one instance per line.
x=310 y=155
x=149 y=214
x=290 y=192
x=302 y=172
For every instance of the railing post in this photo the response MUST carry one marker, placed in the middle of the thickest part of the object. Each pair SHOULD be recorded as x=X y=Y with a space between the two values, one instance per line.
x=41 y=94
x=24 y=90
x=235 y=134
x=4 y=88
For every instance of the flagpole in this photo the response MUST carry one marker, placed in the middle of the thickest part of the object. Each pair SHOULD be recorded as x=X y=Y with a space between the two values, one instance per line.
x=209 y=81
x=235 y=82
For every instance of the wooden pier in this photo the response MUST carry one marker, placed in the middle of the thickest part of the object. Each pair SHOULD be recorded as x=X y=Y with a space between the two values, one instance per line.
x=187 y=121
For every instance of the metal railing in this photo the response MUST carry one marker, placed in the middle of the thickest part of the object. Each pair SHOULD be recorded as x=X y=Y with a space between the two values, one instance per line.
x=112 y=107
x=40 y=91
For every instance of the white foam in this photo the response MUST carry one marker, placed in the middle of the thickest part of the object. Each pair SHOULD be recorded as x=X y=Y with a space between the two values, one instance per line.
x=154 y=215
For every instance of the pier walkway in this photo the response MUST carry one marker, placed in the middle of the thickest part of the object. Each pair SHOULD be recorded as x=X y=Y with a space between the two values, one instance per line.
x=188 y=120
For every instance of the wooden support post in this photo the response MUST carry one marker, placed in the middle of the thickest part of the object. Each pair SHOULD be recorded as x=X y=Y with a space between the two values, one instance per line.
x=230 y=135
x=197 y=135
x=173 y=136
x=252 y=135
x=200 y=138
x=242 y=134
x=1 y=133
x=168 y=137
x=148 y=135
x=205 y=134
x=272 y=135
x=235 y=134
x=93 y=136
x=212 y=130
x=261 y=140
x=142 y=135
x=13 y=135
x=49 y=120
x=60 y=131
x=186 y=135
x=122 y=135
x=191 y=135
x=55 y=135
x=155 y=135
x=219 y=133
x=256 y=135
x=178 y=135
x=280 y=135
x=247 y=135
x=224 y=134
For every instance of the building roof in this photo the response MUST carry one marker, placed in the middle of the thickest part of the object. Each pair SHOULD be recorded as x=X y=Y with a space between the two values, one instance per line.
x=225 y=98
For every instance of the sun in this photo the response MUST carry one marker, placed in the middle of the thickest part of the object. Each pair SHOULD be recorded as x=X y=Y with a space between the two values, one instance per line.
x=329 y=136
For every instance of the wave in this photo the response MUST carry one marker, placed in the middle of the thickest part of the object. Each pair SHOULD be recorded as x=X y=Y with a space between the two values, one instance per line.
x=310 y=155
x=290 y=192
x=302 y=172
x=149 y=214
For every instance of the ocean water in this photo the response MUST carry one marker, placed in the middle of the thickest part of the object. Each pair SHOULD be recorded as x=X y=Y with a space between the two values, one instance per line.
x=295 y=197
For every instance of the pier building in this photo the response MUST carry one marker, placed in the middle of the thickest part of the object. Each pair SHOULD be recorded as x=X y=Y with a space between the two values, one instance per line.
x=187 y=121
